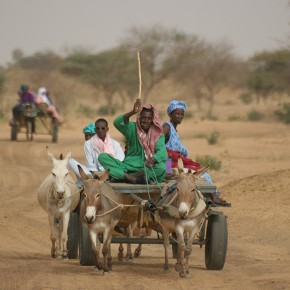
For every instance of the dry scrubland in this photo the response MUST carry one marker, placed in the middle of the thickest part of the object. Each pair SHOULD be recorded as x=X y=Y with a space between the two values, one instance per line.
x=254 y=176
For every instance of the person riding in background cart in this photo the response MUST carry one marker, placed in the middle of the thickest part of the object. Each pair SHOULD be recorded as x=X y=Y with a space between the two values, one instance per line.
x=26 y=97
x=43 y=98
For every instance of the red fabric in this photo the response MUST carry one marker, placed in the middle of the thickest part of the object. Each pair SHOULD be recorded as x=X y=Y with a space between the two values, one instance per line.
x=187 y=163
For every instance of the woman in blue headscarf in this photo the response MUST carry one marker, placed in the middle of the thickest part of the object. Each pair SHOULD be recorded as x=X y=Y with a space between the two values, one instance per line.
x=175 y=147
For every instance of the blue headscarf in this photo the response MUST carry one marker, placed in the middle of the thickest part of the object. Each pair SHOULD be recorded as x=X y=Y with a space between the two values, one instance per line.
x=174 y=104
x=89 y=129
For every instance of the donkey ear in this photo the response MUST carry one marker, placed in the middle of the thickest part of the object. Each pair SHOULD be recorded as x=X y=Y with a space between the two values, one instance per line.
x=68 y=155
x=180 y=165
x=50 y=156
x=82 y=173
x=200 y=171
x=105 y=176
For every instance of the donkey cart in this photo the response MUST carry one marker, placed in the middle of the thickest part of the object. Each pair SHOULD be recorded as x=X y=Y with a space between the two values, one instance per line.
x=213 y=233
x=34 y=120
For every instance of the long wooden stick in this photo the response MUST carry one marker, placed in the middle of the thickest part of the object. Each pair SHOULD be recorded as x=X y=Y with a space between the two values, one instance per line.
x=140 y=76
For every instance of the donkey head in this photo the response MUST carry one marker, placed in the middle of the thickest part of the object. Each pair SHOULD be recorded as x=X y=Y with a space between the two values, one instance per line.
x=92 y=194
x=186 y=187
x=59 y=172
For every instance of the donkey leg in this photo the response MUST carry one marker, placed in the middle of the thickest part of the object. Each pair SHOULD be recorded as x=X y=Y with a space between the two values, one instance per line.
x=110 y=266
x=65 y=221
x=121 y=252
x=188 y=251
x=53 y=234
x=138 y=250
x=105 y=250
x=181 y=250
x=59 y=230
x=96 y=246
x=166 y=245
x=129 y=256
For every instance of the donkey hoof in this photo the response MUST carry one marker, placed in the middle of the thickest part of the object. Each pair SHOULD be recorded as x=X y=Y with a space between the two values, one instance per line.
x=137 y=254
x=184 y=275
x=129 y=259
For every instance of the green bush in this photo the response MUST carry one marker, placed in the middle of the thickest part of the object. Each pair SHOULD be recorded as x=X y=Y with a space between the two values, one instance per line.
x=246 y=98
x=234 y=118
x=255 y=115
x=284 y=113
x=104 y=110
x=213 y=163
x=213 y=138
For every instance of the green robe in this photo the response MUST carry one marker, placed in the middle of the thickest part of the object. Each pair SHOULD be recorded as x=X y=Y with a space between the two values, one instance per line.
x=135 y=157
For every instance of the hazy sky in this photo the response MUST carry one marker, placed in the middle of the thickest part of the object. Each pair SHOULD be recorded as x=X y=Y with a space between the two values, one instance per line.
x=37 y=25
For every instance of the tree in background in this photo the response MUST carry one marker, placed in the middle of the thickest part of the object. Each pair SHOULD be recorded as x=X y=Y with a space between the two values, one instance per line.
x=205 y=69
x=110 y=72
x=155 y=45
x=269 y=73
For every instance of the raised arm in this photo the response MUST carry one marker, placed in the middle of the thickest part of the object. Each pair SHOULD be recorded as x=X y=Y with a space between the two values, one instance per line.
x=136 y=109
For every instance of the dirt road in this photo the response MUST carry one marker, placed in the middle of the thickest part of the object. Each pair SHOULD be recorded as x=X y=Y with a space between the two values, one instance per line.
x=255 y=178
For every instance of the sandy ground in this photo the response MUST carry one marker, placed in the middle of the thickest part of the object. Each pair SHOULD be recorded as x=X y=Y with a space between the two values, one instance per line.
x=254 y=177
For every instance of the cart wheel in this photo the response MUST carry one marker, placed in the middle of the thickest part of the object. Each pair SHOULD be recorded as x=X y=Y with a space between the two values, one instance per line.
x=73 y=236
x=54 y=132
x=86 y=254
x=216 y=242
x=14 y=131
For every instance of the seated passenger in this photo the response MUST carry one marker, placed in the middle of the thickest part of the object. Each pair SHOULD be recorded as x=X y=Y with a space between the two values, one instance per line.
x=25 y=96
x=98 y=141
x=89 y=131
x=175 y=146
x=146 y=152
x=43 y=98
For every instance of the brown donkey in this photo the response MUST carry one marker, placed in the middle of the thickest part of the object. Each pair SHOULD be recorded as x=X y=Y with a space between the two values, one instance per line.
x=100 y=213
x=182 y=212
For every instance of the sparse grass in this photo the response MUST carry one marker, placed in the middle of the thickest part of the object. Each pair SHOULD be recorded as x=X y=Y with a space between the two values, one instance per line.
x=284 y=113
x=86 y=111
x=213 y=138
x=213 y=163
x=213 y=118
x=246 y=98
x=254 y=115
x=234 y=118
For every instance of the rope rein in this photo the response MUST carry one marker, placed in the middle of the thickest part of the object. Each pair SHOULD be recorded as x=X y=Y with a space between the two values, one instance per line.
x=119 y=205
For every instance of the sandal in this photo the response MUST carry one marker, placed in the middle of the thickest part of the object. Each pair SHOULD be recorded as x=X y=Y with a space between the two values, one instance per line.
x=218 y=201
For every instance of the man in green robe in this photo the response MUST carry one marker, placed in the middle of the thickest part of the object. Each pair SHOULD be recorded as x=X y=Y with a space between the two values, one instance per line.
x=146 y=151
